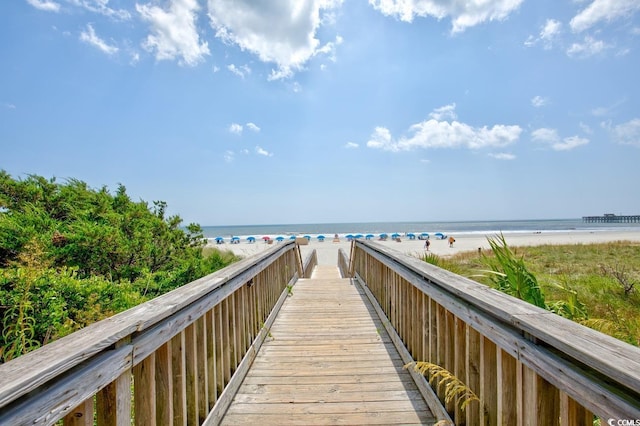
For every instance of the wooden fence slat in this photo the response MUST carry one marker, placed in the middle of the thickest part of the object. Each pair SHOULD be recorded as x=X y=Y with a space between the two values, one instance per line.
x=82 y=415
x=144 y=382
x=164 y=385
x=179 y=368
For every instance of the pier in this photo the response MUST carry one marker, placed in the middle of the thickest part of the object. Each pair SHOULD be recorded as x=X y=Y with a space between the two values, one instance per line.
x=278 y=339
x=612 y=218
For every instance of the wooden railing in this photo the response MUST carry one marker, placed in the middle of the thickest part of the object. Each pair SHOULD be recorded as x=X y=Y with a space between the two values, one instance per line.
x=527 y=365
x=343 y=263
x=167 y=361
x=310 y=262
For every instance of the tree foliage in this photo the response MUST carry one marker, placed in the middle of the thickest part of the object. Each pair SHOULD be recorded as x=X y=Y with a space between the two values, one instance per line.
x=71 y=255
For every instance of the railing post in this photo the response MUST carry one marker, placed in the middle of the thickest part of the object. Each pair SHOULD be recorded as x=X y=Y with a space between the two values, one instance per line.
x=113 y=402
x=164 y=385
x=82 y=415
x=145 y=391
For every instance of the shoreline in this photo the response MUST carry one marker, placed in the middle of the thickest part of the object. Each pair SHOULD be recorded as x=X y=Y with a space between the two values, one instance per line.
x=327 y=250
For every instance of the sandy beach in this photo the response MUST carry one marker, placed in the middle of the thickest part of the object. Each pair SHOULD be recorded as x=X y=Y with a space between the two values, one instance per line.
x=328 y=250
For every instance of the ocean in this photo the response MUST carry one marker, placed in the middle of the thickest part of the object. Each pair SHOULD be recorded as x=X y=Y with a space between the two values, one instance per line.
x=402 y=228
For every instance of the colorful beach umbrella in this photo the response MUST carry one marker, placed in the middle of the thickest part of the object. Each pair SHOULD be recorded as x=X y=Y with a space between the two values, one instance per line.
x=440 y=235
x=251 y=239
x=349 y=236
x=395 y=235
x=219 y=240
x=279 y=238
x=266 y=238
x=411 y=235
x=308 y=237
x=369 y=236
x=293 y=237
x=359 y=236
x=320 y=237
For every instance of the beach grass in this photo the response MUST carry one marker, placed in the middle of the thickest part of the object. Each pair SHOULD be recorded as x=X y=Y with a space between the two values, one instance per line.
x=604 y=276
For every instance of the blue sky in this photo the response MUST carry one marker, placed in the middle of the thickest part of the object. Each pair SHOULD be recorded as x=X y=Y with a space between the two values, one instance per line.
x=290 y=111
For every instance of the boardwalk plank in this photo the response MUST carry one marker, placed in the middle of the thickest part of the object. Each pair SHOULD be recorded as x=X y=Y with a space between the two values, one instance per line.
x=328 y=361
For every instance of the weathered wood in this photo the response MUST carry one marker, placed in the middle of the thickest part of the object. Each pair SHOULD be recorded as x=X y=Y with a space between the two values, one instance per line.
x=178 y=361
x=144 y=382
x=164 y=385
x=82 y=415
x=590 y=362
x=80 y=384
x=507 y=389
x=225 y=398
x=32 y=370
x=283 y=384
x=420 y=381
x=472 y=378
x=114 y=402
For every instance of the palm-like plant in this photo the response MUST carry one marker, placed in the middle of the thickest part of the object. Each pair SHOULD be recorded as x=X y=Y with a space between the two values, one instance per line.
x=509 y=273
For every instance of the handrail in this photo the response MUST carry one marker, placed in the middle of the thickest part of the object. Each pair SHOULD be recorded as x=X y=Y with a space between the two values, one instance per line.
x=186 y=343
x=310 y=262
x=343 y=263
x=522 y=361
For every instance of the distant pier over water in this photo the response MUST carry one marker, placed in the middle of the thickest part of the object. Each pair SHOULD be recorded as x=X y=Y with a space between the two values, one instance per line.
x=612 y=218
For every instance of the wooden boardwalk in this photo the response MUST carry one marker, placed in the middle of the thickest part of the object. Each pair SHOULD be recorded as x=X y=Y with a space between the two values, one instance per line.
x=328 y=360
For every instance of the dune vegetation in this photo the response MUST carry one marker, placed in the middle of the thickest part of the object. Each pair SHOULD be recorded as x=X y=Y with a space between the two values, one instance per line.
x=71 y=255
x=597 y=285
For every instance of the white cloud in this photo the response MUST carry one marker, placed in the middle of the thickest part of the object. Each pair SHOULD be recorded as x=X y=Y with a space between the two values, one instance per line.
x=46 y=5
x=279 y=32
x=585 y=128
x=447 y=112
x=552 y=138
x=627 y=133
x=261 y=151
x=539 y=101
x=173 y=32
x=351 y=145
x=89 y=36
x=9 y=105
x=503 y=156
x=589 y=47
x=463 y=14
x=235 y=128
x=433 y=133
x=241 y=71
x=548 y=34
x=102 y=7
x=253 y=127
x=228 y=156
x=603 y=10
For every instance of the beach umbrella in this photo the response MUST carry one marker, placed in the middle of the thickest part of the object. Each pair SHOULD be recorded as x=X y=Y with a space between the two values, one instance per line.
x=293 y=237
x=251 y=239
x=235 y=240
x=395 y=235
x=359 y=236
x=320 y=237
x=279 y=238
x=411 y=235
x=349 y=236
x=368 y=236
x=383 y=235
x=440 y=235
x=308 y=237
x=266 y=238
x=219 y=240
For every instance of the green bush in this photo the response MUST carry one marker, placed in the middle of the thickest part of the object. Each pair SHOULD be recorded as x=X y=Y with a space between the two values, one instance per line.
x=71 y=255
